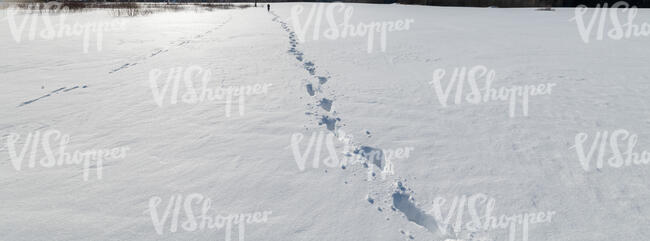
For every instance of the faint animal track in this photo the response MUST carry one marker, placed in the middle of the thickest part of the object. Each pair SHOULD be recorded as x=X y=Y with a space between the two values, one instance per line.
x=177 y=43
x=62 y=89
x=133 y=63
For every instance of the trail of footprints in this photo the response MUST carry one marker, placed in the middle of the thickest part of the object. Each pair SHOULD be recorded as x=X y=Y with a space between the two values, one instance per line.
x=311 y=88
x=401 y=197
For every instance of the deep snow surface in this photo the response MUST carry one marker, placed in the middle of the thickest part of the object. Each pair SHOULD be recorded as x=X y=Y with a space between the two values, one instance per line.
x=244 y=160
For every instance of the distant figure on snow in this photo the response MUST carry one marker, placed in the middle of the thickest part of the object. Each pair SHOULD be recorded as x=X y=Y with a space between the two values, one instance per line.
x=268 y=7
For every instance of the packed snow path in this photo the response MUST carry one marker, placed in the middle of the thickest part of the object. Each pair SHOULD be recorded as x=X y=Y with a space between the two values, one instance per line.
x=400 y=200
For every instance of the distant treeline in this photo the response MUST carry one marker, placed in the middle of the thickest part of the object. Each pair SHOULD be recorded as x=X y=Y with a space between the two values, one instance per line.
x=503 y=3
x=459 y=3
x=479 y=3
x=523 y=3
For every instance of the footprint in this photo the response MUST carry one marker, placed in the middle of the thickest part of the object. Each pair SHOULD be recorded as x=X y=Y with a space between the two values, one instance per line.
x=402 y=202
x=322 y=80
x=309 y=66
x=330 y=123
x=326 y=104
